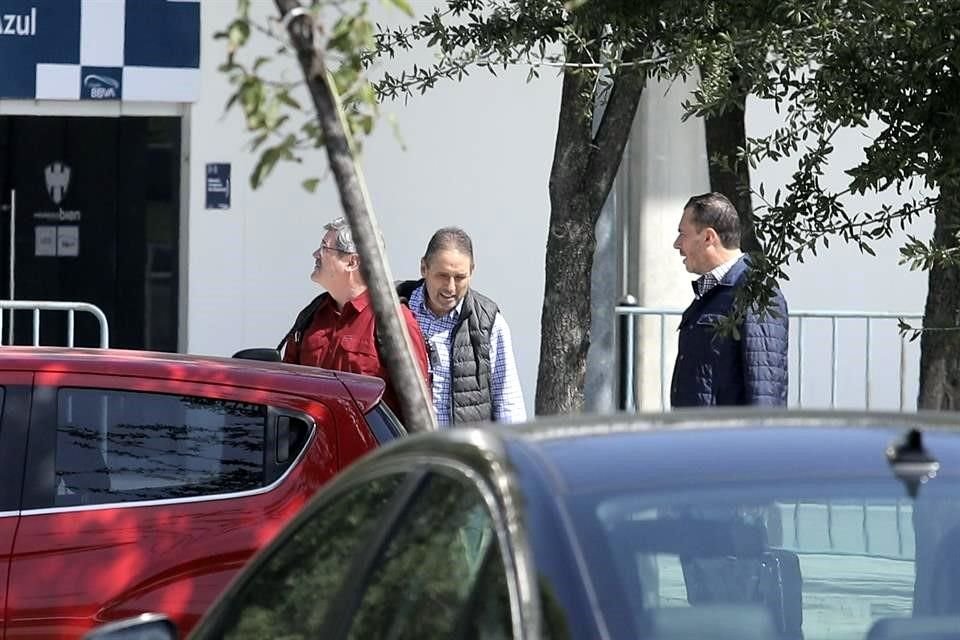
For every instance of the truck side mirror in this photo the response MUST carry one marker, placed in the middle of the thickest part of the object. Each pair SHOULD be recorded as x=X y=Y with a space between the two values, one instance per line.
x=148 y=626
x=258 y=353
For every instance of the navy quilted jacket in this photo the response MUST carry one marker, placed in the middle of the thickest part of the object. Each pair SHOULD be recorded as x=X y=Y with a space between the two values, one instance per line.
x=720 y=370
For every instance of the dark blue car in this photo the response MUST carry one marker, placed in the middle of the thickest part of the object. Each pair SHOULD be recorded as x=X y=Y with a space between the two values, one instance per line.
x=708 y=525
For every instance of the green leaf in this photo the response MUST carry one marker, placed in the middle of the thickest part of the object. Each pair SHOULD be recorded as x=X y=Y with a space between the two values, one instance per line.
x=258 y=141
x=310 y=184
x=263 y=167
x=238 y=33
x=288 y=100
x=231 y=100
x=360 y=123
x=367 y=94
x=402 y=5
x=268 y=160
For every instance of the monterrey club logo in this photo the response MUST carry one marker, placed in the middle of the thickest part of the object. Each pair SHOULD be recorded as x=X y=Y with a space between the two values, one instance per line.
x=57 y=176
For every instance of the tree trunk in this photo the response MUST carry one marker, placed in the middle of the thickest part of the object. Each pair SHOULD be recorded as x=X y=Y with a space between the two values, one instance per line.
x=584 y=167
x=940 y=348
x=565 y=319
x=939 y=390
x=391 y=328
x=725 y=133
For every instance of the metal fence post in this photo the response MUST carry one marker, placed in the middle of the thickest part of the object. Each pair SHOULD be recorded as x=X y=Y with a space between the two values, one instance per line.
x=627 y=348
x=36 y=306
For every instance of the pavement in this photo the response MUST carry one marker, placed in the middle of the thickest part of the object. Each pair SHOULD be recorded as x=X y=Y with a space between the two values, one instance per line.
x=843 y=595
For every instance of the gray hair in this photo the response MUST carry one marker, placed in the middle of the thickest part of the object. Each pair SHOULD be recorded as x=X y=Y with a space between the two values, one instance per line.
x=344 y=240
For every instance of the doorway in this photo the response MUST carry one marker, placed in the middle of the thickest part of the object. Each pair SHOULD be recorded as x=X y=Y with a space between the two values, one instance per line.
x=97 y=220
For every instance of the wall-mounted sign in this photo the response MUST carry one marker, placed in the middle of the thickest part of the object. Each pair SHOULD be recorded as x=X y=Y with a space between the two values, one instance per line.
x=56 y=178
x=218 y=185
x=61 y=240
x=45 y=243
x=101 y=83
x=68 y=240
x=56 y=240
x=146 y=50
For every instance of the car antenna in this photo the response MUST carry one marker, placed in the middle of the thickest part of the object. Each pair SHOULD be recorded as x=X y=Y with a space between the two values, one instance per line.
x=911 y=462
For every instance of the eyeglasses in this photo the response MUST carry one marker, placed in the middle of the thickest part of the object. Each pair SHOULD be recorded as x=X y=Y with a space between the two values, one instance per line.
x=329 y=248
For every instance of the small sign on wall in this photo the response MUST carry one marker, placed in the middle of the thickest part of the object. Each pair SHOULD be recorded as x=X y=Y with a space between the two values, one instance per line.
x=68 y=240
x=46 y=240
x=57 y=240
x=218 y=185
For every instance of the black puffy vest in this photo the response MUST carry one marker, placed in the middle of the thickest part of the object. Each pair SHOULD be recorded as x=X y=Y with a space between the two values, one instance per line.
x=469 y=355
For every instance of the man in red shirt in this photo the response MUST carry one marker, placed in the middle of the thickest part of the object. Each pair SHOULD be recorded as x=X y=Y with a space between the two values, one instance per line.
x=340 y=329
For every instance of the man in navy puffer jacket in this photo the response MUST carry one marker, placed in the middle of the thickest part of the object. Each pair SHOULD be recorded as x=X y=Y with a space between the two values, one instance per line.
x=714 y=369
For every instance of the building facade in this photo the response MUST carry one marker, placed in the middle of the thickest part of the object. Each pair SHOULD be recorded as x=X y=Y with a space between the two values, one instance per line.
x=123 y=182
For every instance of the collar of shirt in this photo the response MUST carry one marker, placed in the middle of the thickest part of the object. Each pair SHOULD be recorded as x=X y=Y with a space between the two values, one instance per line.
x=713 y=277
x=721 y=270
x=351 y=307
x=418 y=300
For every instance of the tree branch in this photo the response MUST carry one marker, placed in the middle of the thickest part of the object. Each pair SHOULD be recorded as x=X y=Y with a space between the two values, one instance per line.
x=607 y=146
x=573 y=129
x=397 y=353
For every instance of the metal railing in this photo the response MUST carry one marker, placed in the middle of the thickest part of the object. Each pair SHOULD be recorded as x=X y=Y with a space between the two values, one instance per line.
x=846 y=528
x=628 y=314
x=70 y=308
x=864 y=529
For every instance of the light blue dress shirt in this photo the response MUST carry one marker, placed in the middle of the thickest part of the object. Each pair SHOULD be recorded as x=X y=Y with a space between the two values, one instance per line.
x=505 y=392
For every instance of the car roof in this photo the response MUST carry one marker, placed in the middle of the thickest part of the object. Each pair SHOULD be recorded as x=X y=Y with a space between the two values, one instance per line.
x=301 y=380
x=585 y=453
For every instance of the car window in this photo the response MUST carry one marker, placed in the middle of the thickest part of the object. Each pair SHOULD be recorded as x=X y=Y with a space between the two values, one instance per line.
x=384 y=423
x=425 y=574
x=117 y=446
x=488 y=615
x=288 y=595
x=821 y=562
x=11 y=470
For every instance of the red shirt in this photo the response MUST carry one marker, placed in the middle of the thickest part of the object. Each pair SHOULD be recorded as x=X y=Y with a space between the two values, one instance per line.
x=345 y=340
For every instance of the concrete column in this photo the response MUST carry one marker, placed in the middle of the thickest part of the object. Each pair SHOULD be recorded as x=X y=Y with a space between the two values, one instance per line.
x=605 y=288
x=666 y=164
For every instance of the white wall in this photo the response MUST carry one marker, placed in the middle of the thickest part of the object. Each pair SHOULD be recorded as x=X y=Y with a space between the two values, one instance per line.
x=243 y=263
x=477 y=155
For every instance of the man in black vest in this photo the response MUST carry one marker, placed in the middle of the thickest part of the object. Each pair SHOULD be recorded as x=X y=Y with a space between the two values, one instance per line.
x=474 y=371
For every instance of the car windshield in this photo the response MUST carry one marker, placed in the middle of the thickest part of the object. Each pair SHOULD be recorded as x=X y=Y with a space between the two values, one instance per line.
x=833 y=561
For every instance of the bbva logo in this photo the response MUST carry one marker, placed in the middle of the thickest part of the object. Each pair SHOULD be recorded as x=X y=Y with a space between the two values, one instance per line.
x=101 y=87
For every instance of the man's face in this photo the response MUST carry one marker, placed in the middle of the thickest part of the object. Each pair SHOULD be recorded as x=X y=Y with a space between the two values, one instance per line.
x=329 y=264
x=693 y=245
x=447 y=278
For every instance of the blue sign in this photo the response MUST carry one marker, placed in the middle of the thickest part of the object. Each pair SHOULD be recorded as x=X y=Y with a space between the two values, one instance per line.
x=136 y=50
x=218 y=186
x=35 y=32
x=101 y=83
x=161 y=33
